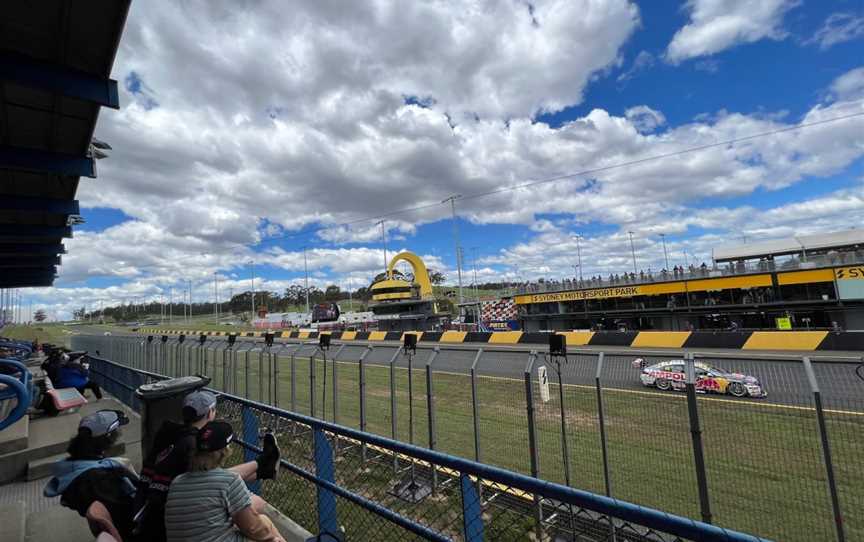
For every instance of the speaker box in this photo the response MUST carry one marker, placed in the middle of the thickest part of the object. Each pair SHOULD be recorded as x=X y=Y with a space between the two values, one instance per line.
x=268 y=339
x=557 y=344
x=202 y=338
x=232 y=339
x=409 y=342
x=324 y=342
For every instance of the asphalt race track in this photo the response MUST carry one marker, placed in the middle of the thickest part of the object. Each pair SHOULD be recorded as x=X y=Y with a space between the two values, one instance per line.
x=782 y=374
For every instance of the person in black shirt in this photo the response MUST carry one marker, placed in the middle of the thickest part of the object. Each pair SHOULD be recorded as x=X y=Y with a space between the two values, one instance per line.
x=169 y=456
x=99 y=489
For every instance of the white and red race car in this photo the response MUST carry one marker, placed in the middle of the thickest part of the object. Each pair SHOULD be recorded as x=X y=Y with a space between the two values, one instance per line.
x=670 y=375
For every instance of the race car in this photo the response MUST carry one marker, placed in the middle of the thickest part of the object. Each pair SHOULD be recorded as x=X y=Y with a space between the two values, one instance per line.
x=669 y=375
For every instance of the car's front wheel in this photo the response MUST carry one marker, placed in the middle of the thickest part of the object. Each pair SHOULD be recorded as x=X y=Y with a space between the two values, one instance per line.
x=737 y=389
x=663 y=384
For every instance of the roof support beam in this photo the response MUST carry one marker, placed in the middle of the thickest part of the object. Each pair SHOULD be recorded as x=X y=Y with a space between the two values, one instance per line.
x=46 y=162
x=47 y=249
x=20 y=230
x=29 y=262
x=59 y=79
x=26 y=282
x=43 y=205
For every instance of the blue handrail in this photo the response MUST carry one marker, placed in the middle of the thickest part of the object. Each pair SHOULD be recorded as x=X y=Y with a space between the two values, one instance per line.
x=23 y=395
x=629 y=512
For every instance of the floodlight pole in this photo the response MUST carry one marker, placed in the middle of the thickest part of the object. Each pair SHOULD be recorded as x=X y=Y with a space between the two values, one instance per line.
x=306 y=269
x=383 y=242
x=665 y=256
x=452 y=200
x=252 y=271
x=633 y=251
x=579 y=255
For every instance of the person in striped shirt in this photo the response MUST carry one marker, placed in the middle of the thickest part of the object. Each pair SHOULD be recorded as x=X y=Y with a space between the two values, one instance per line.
x=212 y=504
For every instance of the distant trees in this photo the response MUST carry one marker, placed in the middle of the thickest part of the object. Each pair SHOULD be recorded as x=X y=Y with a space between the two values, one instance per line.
x=436 y=277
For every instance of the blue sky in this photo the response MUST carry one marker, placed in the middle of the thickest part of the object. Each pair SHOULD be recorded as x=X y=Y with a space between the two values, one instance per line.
x=198 y=175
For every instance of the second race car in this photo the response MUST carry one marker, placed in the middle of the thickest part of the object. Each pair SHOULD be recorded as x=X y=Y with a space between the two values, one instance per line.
x=670 y=375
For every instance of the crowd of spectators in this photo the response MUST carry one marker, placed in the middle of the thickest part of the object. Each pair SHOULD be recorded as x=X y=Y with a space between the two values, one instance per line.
x=182 y=494
x=616 y=279
x=691 y=271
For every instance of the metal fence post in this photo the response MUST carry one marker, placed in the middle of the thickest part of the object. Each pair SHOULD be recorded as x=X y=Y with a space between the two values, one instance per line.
x=328 y=526
x=602 y=421
x=474 y=402
x=312 y=383
x=472 y=511
x=336 y=389
x=250 y=436
x=393 y=404
x=532 y=441
x=430 y=411
x=362 y=364
x=826 y=450
x=696 y=434
x=246 y=374
x=293 y=378
x=603 y=446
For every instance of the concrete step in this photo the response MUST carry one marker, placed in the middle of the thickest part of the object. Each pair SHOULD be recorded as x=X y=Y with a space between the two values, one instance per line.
x=13 y=521
x=48 y=436
x=57 y=524
x=14 y=438
x=41 y=468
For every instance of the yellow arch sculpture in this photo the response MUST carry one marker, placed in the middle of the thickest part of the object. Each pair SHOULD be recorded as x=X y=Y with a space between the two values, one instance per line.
x=421 y=274
x=394 y=289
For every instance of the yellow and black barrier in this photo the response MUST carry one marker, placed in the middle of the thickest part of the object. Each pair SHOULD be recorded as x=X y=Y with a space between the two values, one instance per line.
x=735 y=340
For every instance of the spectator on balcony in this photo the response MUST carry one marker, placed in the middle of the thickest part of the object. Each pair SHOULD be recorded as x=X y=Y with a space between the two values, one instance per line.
x=212 y=504
x=99 y=489
x=173 y=447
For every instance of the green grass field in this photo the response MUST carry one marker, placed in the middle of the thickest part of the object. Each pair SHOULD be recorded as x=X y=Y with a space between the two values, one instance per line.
x=764 y=462
x=45 y=333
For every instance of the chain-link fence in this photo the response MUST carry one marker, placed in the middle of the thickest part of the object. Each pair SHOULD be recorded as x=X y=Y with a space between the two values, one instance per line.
x=707 y=446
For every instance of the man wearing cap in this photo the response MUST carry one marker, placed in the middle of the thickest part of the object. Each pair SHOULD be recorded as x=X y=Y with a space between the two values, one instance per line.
x=170 y=455
x=212 y=504
x=99 y=489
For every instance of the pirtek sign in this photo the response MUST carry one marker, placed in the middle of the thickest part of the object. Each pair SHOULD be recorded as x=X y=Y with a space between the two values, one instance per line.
x=849 y=273
x=597 y=293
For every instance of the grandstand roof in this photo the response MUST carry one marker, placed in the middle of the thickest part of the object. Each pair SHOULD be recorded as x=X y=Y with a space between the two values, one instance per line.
x=790 y=245
x=55 y=61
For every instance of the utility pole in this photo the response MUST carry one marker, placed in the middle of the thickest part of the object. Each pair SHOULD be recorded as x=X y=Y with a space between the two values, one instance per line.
x=633 y=251
x=452 y=199
x=350 y=301
x=384 y=242
x=171 y=305
x=306 y=269
x=665 y=256
x=190 y=300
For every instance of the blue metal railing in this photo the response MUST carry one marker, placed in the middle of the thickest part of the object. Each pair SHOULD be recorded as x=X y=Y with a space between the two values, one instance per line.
x=15 y=388
x=121 y=381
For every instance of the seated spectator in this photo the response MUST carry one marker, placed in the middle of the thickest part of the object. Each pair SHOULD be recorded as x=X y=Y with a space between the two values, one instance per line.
x=71 y=370
x=212 y=504
x=101 y=490
x=169 y=457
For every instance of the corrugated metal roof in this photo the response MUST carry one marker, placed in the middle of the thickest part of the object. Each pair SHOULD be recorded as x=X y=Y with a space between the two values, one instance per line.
x=790 y=245
x=55 y=61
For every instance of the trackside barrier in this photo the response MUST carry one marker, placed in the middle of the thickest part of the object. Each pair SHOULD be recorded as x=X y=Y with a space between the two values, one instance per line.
x=354 y=500
x=694 y=443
